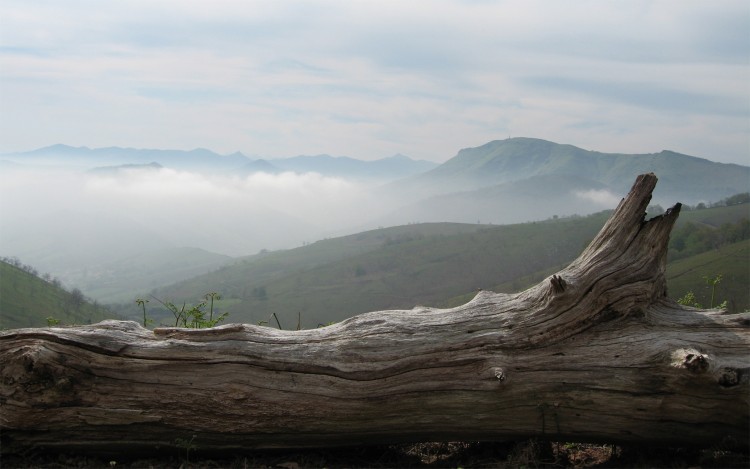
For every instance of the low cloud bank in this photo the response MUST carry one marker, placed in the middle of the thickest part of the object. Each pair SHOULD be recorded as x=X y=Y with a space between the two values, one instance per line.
x=601 y=197
x=58 y=220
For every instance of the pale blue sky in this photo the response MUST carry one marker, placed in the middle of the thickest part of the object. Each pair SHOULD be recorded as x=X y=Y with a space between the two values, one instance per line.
x=370 y=79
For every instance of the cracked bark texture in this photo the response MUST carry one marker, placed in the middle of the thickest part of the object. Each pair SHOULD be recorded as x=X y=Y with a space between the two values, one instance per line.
x=597 y=352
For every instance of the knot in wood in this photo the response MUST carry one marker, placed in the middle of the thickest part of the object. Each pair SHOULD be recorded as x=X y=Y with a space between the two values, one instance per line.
x=499 y=374
x=696 y=363
x=558 y=284
x=729 y=377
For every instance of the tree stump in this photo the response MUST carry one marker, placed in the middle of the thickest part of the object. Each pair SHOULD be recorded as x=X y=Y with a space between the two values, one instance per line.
x=597 y=352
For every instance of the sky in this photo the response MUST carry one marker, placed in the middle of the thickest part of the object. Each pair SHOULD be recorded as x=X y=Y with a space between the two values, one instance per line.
x=370 y=79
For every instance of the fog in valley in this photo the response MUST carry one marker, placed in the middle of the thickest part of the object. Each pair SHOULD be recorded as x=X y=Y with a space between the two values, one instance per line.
x=84 y=226
x=62 y=220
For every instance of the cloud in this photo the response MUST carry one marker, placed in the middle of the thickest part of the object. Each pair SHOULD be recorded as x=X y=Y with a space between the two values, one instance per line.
x=144 y=207
x=601 y=197
x=372 y=79
x=311 y=197
x=646 y=95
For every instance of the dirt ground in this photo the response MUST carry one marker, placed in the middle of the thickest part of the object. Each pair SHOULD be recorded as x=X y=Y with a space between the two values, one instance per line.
x=526 y=454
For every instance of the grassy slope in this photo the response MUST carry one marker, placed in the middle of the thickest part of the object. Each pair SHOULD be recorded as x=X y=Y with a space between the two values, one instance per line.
x=26 y=301
x=389 y=268
x=685 y=274
x=397 y=268
x=715 y=216
x=731 y=261
x=438 y=264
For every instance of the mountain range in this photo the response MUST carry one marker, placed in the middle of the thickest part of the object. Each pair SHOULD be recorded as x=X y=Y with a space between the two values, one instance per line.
x=506 y=180
x=200 y=159
x=516 y=159
x=124 y=204
x=688 y=179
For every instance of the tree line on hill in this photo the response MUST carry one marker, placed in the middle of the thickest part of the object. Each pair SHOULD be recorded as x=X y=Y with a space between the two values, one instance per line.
x=29 y=269
x=29 y=299
x=694 y=238
x=76 y=295
x=735 y=199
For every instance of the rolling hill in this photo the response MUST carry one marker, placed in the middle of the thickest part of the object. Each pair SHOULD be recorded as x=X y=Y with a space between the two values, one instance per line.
x=732 y=262
x=395 y=268
x=683 y=178
x=544 y=196
x=388 y=268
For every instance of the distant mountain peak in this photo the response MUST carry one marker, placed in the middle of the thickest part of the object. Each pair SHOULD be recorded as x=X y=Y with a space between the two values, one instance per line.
x=258 y=166
x=59 y=148
x=398 y=156
x=153 y=166
x=683 y=177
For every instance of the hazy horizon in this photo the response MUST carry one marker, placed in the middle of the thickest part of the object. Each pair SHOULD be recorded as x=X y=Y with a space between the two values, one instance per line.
x=256 y=157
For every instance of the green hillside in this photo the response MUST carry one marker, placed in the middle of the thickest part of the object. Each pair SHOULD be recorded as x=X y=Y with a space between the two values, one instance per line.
x=713 y=254
x=388 y=268
x=436 y=264
x=27 y=301
x=732 y=262
x=715 y=216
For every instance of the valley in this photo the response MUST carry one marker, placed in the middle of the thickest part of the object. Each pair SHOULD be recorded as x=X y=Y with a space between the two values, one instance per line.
x=432 y=264
x=175 y=225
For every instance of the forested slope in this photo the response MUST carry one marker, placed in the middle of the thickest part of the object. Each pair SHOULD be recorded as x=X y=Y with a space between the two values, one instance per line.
x=27 y=300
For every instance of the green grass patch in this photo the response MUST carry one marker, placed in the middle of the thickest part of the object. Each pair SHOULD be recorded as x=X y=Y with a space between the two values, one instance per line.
x=731 y=261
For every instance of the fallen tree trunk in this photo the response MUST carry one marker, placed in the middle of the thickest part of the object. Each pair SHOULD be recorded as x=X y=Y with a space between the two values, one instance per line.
x=596 y=352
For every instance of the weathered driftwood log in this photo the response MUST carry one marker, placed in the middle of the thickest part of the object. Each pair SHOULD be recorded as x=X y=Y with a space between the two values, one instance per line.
x=597 y=352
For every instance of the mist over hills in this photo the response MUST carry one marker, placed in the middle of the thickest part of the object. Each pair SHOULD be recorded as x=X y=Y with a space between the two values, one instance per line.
x=201 y=159
x=516 y=159
x=544 y=196
x=504 y=181
x=681 y=177
x=382 y=170
x=82 y=214
x=60 y=155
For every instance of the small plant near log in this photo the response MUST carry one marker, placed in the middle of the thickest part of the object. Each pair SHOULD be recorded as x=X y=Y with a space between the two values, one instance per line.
x=266 y=323
x=52 y=321
x=714 y=282
x=192 y=317
x=689 y=298
x=142 y=303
